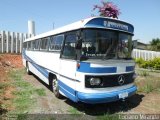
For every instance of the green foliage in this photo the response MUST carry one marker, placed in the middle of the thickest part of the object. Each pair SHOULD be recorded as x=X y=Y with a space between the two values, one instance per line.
x=155 y=44
x=156 y=63
x=139 y=61
x=153 y=64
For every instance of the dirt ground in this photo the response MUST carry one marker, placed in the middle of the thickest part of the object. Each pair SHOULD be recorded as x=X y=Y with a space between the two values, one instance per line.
x=7 y=62
x=139 y=103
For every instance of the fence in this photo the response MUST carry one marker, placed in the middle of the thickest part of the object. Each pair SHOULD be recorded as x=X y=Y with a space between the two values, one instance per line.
x=11 y=42
x=145 y=54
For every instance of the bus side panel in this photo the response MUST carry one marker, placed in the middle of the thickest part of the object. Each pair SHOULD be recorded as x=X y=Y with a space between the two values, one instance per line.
x=24 y=62
x=67 y=78
x=38 y=71
x=41 y=63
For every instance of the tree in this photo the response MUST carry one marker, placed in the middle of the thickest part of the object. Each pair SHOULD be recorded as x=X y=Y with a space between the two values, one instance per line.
x=155 y=44
x=108 y=9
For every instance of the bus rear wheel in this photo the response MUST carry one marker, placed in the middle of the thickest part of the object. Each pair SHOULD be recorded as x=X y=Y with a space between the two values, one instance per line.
x=55 y=88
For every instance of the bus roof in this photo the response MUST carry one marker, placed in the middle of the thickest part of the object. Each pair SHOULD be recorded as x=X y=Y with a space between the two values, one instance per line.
x=92 y=22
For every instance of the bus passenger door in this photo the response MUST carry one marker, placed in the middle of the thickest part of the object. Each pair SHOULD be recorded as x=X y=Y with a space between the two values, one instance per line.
x=68 y=66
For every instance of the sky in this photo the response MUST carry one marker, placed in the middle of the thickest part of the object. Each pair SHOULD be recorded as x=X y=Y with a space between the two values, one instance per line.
x=14 y=14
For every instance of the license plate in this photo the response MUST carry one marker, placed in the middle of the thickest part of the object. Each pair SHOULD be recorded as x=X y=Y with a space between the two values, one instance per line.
x=123 y=95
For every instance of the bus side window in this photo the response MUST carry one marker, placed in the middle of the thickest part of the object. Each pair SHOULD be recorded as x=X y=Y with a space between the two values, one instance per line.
x=44 y=44
x=56 y=43
x=29 y=45
x=25 y=45
x=69 y=47
x=37 y=44
x=52 y=43
x=59 y=41
x=32 y=45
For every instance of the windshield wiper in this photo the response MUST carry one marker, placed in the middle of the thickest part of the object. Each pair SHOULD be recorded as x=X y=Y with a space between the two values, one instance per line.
x=125 y=58
x=107 y=58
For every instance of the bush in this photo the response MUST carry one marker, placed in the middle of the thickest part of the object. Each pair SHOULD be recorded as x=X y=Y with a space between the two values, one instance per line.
x=154 y=64
x=139 y=61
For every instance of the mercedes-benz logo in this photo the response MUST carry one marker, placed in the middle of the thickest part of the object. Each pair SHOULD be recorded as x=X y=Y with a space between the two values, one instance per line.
x=121 y=80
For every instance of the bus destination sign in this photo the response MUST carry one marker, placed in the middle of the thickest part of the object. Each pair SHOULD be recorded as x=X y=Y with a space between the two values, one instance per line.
x=115 y=25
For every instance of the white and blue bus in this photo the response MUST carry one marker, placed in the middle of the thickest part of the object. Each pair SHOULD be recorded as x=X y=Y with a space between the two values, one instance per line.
x=87 y=61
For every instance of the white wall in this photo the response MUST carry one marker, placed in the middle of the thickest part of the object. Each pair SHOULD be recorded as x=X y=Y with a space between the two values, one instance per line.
x=145 y=54
x=11 y=42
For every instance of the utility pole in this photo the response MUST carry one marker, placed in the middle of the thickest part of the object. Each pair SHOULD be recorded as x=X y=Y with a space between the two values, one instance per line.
x=53 y=25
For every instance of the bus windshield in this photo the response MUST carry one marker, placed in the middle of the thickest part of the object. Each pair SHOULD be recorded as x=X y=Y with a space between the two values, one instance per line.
x=106 y=44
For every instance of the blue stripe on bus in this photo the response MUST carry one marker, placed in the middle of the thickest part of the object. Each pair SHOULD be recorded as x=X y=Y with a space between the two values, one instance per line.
x=42 y=70
x=129 y=68
x=93 y=98
x=85 y=67
x=68 y=91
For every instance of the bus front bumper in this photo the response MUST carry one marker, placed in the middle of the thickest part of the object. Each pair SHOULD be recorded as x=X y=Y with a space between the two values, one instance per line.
x=94 y=98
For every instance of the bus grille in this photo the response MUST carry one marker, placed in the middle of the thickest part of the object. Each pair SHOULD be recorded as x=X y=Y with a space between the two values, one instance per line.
x=110 y=80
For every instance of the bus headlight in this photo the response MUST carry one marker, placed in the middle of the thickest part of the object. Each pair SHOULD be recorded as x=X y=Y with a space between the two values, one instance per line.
x=95 y=81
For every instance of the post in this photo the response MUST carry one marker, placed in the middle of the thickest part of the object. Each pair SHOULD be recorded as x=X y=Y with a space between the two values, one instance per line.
x=12 y=42
x=17 y=37
x=2 y=39
x=21 y=42
x=7 y=41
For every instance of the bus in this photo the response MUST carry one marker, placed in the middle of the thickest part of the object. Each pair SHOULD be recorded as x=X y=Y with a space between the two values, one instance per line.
x=87 y=61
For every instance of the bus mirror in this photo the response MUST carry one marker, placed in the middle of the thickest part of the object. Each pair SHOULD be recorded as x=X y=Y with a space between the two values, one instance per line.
x=79 y=44
x=78 y=40
x=134 y=44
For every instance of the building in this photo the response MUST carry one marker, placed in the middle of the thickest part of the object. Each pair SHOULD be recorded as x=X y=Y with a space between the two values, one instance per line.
x=140 y=45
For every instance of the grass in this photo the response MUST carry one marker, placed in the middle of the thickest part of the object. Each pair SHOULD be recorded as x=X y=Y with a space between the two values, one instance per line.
x=147 y=82
x=108 y=117
x=143 y=73
x=147 y=88
x=4 y=105
x=74 y=111
x=2 y=87
x=40 y=91
x=24 y=95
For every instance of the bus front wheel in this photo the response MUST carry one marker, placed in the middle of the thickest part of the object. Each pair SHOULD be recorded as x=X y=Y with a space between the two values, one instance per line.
x=55 y=88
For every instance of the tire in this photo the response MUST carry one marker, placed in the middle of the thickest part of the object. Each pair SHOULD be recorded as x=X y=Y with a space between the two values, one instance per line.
x=55 y=87
x=27 y=69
